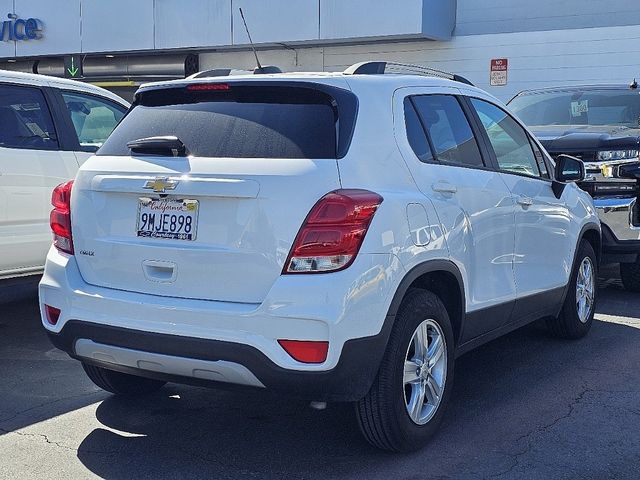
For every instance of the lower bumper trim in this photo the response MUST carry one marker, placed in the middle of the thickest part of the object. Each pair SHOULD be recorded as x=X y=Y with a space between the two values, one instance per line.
x=218 y=371
x=350 y=380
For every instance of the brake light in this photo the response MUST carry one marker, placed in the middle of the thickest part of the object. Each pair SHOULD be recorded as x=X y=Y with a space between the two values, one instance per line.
x=306 y=351
x=332 y=233
x=206 y=87
x=60 y=218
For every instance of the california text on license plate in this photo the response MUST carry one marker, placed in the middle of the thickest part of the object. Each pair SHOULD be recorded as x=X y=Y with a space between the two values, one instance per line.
x=163 y=218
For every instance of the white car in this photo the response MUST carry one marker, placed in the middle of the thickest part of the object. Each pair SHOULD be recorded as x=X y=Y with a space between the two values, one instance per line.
x=48 y=128
x=339 y=237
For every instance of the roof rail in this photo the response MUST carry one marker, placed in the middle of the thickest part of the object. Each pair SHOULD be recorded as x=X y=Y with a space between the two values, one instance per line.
x=380 y=68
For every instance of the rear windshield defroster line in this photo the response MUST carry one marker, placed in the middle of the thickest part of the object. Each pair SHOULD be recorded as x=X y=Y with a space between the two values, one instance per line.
x=247 y=120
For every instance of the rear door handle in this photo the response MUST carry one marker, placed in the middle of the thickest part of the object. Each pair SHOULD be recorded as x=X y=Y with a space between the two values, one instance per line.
x=444 y=187
x=525 y=201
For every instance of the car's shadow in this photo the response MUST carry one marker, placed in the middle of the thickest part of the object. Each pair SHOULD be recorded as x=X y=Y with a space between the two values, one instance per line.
x=508 y=398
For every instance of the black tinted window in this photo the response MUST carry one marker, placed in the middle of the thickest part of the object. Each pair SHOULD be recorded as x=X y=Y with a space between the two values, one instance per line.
x=242 y=122
x=449 y=129
x=25 y=120
x=415 y=133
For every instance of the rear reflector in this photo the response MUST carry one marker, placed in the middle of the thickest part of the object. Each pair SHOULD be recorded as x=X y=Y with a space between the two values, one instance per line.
x=306 y=351
x=206 y=87
x=52 y=314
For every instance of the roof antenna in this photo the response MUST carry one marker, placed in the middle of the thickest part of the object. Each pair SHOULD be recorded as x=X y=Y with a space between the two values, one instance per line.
x=259 y=68
x=634 y=84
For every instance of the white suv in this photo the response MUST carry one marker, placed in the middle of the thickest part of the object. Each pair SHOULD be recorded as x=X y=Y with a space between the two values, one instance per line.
x=48 y=127
x=339 y=237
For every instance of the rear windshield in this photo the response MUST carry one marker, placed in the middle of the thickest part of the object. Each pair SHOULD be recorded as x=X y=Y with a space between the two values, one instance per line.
x=242 y=121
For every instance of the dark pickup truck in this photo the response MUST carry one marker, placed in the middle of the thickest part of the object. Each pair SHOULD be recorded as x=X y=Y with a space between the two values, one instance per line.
x=599 y=124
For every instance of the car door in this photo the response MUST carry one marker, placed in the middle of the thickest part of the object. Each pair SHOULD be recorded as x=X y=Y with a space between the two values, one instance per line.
x=474 y=205
x=31 y=165
x=543 y=248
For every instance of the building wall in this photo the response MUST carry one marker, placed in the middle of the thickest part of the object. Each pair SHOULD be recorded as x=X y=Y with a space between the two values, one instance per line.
x=477 y=17
x=536 y=59
x=110 y=26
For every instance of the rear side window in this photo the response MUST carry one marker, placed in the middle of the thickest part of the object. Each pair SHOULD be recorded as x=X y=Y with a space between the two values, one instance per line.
x=242 y=121
x=25 y=119
x=448 y=129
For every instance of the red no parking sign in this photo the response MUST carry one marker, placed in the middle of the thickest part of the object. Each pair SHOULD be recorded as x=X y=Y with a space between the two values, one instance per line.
x=498 y=71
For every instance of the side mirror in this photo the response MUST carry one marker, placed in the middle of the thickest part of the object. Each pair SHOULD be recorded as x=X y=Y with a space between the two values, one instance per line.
x=569 y=169
x=629 y=170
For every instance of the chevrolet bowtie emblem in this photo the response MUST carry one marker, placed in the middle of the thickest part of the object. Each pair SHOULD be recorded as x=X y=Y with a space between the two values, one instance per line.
x=161 y=184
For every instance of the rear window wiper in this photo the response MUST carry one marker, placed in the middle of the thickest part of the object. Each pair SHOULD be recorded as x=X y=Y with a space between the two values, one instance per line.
x=165 y=146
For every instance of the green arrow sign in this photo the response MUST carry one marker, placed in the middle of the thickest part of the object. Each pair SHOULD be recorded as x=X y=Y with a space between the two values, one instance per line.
x=72 y=68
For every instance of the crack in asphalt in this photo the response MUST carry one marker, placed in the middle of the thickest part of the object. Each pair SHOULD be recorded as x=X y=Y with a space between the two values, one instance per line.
x=51 y=442
x=544 y=428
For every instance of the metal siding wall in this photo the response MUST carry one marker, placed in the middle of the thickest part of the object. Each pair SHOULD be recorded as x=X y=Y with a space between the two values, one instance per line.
x=117 y=25
x=476 y=17
x=200 y=22
x=275 y=21
x=61 y=26
x=536 y=59
x=95 y=26
x=364 y=18
x=7 y=49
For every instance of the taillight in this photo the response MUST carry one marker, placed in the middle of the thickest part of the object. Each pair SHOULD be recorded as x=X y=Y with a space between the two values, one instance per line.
x=60 y=218
x=332 y=233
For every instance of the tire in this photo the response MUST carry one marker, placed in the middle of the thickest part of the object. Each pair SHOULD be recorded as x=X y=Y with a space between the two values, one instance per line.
x=383 y=414
x=121 y=383
x=572 y=323
x=630 y=274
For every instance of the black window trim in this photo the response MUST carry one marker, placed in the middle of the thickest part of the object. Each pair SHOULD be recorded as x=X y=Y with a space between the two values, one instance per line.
x=483 y=134
x=72 y=142
x=45 y=90
x=484 y=154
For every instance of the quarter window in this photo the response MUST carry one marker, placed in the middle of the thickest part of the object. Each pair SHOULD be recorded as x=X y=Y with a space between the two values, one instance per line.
x=93 y=119
x=415 y=133
x=509 y=140
x=448 y=129
x=25 y=119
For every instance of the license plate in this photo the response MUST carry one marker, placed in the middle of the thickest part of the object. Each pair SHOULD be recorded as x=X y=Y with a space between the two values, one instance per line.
x=172 y=219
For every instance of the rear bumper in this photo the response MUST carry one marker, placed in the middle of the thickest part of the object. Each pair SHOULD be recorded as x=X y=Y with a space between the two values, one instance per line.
x=222 y=362
x=169 y=337
x=621 y=238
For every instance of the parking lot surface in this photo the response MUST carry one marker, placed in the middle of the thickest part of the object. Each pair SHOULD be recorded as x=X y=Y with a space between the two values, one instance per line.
x=525 y=406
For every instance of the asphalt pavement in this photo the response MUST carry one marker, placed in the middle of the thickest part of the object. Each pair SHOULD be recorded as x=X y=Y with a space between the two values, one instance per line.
x=526 y=406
